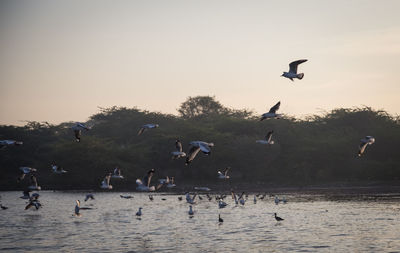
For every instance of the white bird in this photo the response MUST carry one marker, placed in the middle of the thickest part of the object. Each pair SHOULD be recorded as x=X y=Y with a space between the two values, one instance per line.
x=368 y=140
x=268 y=139
x=89 y=196
x=105 y=184
x=222 y=204
x=169 y=181
x=224 y=173
x=178 y=153
x=77 y=208
x=144 y=188
x=195 y=147
x=139 y=213
x=191 y=212
x=202 y=188
x=6 y=143
x=117 y=173
x=34 y=184
x=293 y=70
x=147 y=126
x=57 y=170
x=78 y=130
x=272 y=112
x=34 y=201
x=25 y=171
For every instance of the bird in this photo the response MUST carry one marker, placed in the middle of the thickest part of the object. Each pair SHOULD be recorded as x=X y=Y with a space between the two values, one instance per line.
x=171 y=183
x=145 y=184
x=268 y=139
x=293 y=70
x=77 y=208
x=25 y=171
x=117 y=173
x=126 y=196
x=151 y=197
x=78 y=130
x=191 y=212
x=26 y=194
x=89 y=196
x=276 y=200
x=220 y=220
x=255 y=199
x=278 y=218
x=139 y=213
x=105 y=184
x=189 y=199
x=6 y=143
x=57 y=170
x=178 y=153
x=147 y=126
x=202 y=188
x=272 y=112
x=222 y=204
x=34 y=184
x=224 y=173
x=195 y=147
x=180 y=198
x=368 y=140
x=3 y=207
x=34 y=201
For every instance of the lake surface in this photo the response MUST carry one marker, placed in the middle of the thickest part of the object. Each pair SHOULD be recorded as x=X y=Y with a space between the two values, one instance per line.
x=311 y=224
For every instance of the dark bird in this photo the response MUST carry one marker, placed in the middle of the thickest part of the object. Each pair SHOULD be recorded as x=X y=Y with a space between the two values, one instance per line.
x=277 y=218
x=220 y=219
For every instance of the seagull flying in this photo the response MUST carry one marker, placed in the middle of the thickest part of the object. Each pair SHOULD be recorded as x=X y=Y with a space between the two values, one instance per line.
x=272 y=112
x=25 y=171
x=147 y=126
x=34 y=185
x=57 y=169
x=117 y=173
x=293 y=70
x=78 y=130
x=195 y=147
x=6 y=143
x=368 y=140
x=224 y=173
x=178 y=153
x=268 y=139
x=105 y=184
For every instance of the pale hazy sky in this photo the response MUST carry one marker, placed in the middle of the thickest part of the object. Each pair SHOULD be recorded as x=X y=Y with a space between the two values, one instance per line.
x=60 y=60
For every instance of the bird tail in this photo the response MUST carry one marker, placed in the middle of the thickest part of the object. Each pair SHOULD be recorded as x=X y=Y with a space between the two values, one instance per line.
x=300 y=76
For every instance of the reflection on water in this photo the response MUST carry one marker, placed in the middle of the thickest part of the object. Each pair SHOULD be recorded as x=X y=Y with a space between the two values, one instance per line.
x=312 y=224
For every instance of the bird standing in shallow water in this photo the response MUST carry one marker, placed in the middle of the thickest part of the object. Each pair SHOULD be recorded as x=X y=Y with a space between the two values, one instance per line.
x=220 y=219
x=139 y=213
x=277 y=218
x=190 y=211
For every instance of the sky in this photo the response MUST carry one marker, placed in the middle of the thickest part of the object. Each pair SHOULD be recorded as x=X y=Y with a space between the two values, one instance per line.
x=62 y=60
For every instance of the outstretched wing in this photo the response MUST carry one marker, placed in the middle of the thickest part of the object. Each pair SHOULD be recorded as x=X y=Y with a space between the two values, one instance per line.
x=362 y=147
x=269 y=136
x=178 y=146
x=205 y=148
x=141 y=130
x=293 y=66
x=275 y=107
x=192 y=154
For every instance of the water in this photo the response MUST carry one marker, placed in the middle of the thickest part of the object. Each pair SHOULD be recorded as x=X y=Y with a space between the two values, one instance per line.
x=310 y=225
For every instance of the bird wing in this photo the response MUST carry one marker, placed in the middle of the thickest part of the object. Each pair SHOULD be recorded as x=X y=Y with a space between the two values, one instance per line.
x=205 y=148
x=192 y=154
x=178 y=146
x=275 y=107
x=362 y=147
x=293 y=66
x=141 y=130
x=269 y=136
x=33 y=180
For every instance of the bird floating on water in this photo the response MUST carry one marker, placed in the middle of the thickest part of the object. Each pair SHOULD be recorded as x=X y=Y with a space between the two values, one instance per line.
x=368 y=140
x=191 y=212
x=139 y=212
x=268 y=139
x=224 y=173
x=278 y=218
x=293 y=70
x=195 y=147
x=178 y=153
x=126 y=196
x=222 y=204
x=190 y=199
x=147 y=126
x=220 y=220
x=78 y=130
x=272 y=112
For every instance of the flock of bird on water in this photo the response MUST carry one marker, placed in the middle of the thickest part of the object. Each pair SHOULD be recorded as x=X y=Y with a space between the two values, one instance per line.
x=144 y=185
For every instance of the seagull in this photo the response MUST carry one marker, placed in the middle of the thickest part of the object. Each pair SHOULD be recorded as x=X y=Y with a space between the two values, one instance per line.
x=3 y=207
x=195 y=147
x=268 y=139
x=171 y=183
x=276 y=200
x=77 y=208
x=139 y=213
x=25 y=171
x=224 y=173
x=145 y=184
x=278 y=218
x=180 y=198
x=34 y=201
x=78 y=130
x=34 y=185
x=368 y=140
x=147 y=126
x=191 y=212
x=26 y=195
x=105 y=184
x=255 y=199
x=57 y=170
x=222 y=204
x=178 y=153
x=117 y=173
x=189 y=199
x=209 y=197
x=293 y=70
x=272 y=112
x=151 y=197
x=89 y=196
x=202 y=188
x=6 y=143
x=220 y=220
x=126 y=196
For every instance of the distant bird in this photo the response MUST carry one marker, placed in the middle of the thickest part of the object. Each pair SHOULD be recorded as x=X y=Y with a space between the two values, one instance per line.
x=268 y=139
x=200 y=198
x=105 y=184
x=145 y=184
x=276 y=200
x=222 y=204
x=272 y=112
x=191 y=212
x=171 y=183
x=190 y=199
x=151 y=197
x=224 y=173
x=220 y=220
x=255 y=199
x=284 y=201
x=34 y=184
x=139 y=213
x=293 y=70
x=278 y=218
x=34 y=201
x=368 y=140
x=209 y=197
x=202 y=188
x=3 y=207
x=89 y=196
x=126 y=196
x=77 y=208
x=26 y=194
x=147 y=126
x=57 y=170
x=178 y=153
x=78 y=130
x=25 y=171
x=117 y=173
x=180 y=198
x=6 y=143
x=195 y=147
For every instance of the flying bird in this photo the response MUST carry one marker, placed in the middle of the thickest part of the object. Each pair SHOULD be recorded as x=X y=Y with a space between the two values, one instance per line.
x=34 y=201
x=272 y=112
x=147 y=126
x=139 y=213
x=34 y=184
x=224 y=173
x=58 y=170
x=178 y=153
x=293 y=70
x=268 y=139
x=191 y=212
x=368 y=140
x=6 y=143
x=78 y=130
x=117 y=173
x=25 y=171
x=195 y=147
x=105 y=184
